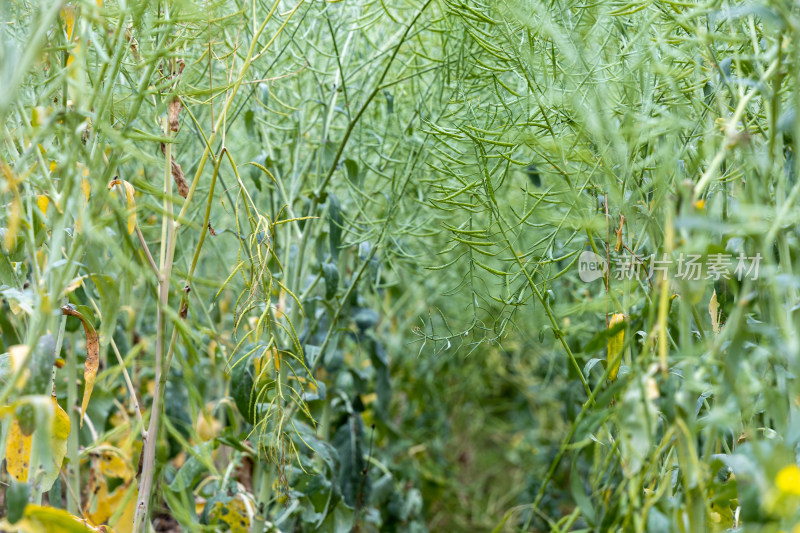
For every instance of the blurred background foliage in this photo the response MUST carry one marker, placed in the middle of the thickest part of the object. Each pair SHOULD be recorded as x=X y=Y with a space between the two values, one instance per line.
x=338 y=244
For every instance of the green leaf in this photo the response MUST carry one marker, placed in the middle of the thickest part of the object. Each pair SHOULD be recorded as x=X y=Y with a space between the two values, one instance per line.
x=108 y=290
x=40 y=365
x=242 y=385
x=383 y=383
x=335 y=223
x=349 y=443
x=189 y=474
x=331 y=275
x=16 y=499
x=351 y=170
x=7 y=275
x=579 y=494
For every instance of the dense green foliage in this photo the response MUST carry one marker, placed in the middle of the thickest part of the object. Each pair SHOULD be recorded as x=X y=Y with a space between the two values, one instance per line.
x=324 y=264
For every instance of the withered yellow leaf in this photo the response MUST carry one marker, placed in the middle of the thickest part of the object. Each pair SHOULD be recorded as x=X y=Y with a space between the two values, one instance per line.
x=92 y=356
x=130 y=192
x=106 y=505
x=614 y=347
x=115 y=507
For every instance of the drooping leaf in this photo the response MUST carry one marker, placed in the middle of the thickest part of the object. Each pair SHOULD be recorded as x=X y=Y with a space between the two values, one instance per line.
x=130 y=194
x=92 y=355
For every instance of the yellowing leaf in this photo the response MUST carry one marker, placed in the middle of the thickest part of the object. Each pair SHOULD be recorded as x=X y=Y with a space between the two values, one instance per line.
x=40 y=519
x=18 y=453
x=58 y=444
x=233 y=515
x=86 y=188
x=207 y=426
x=108 y=504
x=92 y=356
x=68 y=14
x=13 y=223
x=38 y=116
x=614 y=347
x=130 y=192
x=118 y=506
x=114 y=464
x=18 y=354
x=73 y=285
x=713 y=310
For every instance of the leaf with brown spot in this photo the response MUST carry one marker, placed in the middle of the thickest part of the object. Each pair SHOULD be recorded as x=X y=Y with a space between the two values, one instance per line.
x=92 y=356
x=19 y=442
x=18 y=452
